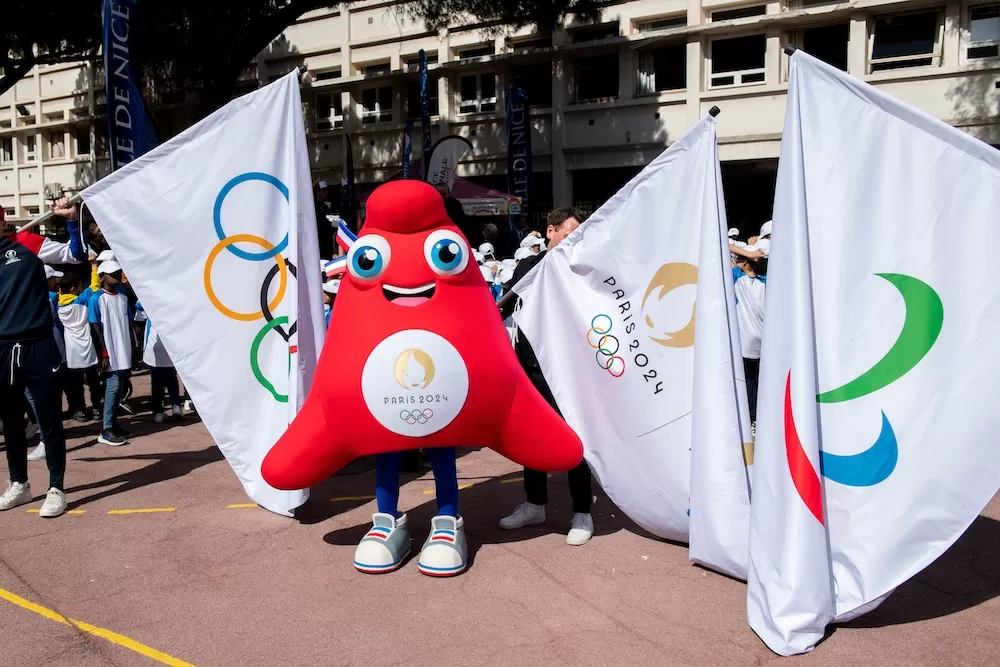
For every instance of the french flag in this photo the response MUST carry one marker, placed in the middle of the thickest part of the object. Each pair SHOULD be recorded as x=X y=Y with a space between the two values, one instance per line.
x=345 y=237
x=336 y=267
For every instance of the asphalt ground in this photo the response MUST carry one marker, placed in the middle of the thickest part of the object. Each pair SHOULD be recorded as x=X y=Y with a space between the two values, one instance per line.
x=164 y=560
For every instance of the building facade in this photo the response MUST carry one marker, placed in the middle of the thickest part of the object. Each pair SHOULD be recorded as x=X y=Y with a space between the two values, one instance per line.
x=605 y=97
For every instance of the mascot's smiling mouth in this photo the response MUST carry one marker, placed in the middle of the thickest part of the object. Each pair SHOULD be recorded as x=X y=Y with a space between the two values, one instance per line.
x=408 y=296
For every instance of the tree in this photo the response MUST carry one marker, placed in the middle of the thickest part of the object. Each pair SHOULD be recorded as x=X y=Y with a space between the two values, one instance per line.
x=207 y=44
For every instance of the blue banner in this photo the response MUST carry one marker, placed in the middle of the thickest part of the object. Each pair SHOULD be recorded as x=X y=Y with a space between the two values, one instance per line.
x=407 y=148
x=130 y=132
x=520 y=176
x=425 y=117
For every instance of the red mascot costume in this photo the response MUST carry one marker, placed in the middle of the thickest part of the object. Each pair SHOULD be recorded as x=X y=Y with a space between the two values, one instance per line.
x=417 y=357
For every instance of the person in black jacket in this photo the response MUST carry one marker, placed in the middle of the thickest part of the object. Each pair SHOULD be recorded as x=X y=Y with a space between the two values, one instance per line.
x=29 y=356
x=561 y=222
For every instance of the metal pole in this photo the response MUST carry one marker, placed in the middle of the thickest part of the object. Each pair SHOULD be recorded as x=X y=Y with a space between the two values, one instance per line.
x=45 y=217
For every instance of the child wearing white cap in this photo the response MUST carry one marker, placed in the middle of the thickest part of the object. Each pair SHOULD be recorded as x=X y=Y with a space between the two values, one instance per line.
x=110 y=311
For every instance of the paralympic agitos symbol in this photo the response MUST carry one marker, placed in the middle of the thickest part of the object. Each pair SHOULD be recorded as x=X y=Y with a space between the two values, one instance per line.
x=921 y=327
x=281 y=268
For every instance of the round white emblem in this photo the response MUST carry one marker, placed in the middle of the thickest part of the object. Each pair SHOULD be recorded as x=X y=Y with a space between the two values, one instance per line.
x=415 y=383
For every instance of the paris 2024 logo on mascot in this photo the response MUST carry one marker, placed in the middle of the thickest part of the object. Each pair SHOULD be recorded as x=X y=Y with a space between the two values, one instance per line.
x=417 y=357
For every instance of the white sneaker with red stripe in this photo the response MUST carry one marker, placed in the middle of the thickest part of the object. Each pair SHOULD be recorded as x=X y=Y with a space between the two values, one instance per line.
x=384 y=546
x=445 y=553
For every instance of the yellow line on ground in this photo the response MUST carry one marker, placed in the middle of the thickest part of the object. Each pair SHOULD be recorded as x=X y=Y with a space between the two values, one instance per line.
x=240 y=506
x=463 y=486
x=67 y=511
x=511 y=480
x=103 y=633
x=344 y=499
x=148 y=510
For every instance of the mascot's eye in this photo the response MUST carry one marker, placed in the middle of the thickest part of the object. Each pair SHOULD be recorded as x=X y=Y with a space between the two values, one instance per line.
x=446 y=252
x=368 y=257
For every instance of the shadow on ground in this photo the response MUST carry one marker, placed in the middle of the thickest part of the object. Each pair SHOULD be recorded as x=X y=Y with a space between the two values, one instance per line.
x=966 y=575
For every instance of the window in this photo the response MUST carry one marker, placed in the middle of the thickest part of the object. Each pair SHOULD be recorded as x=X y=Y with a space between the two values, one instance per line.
x=32 y=211
x=533 y=43
x=412 y=63
x=413 y=98
x=984 y=32
x=376 y=105
x=329 y=111
x=326 y=75
x=661 y=24
x=30 y=148
x=477 y=52
x=6 y=150
x=739 y=61
x=908 y=40
x=477 y=93
x=57 y=147
x=536 y=82
x=828 y=43
x=101 y=140
x=741 y=13
x=661 y=69
x=8 y=211
x=590 y=33
x=83 y=141
x=596 y=78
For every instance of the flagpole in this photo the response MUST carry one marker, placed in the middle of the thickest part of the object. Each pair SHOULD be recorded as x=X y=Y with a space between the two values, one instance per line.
x=45 y=217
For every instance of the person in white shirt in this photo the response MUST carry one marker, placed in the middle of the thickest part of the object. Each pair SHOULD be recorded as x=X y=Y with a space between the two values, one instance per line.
x=110 y=310
x=81 y=352
x=750 y=284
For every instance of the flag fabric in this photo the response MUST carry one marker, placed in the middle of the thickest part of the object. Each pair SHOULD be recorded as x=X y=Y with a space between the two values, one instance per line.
x=213 y=232
x=520 y=173
x=130 y=132
x=881 y=315
x=443 y=160
x=610 y=314
x=407 y=147
x=721 y=437
x=425 y=115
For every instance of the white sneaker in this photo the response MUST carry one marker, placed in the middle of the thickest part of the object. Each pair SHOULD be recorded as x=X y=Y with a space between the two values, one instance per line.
x=177 y=411
x=30 y=431
x=158 y=418
x=525 y=514
x=54 y=505
x=580 y=530
x=17 y=494
x=38 y=453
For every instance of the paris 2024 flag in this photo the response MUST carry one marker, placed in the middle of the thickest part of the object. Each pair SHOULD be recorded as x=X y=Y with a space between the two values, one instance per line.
x=877 y=427
x=610 y=313
x=216 y=231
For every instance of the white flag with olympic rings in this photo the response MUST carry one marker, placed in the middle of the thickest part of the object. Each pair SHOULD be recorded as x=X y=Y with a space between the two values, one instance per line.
x=213 y=228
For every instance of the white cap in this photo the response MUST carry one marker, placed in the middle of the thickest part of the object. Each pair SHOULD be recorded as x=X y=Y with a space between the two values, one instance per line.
x=733 y=232
x=529 y=240
x=110 y=266
x=332 y=286
x=478 y=255
x=738 y=244
x=487 y=273
x=505 y=274
x=764 y=245
x=52 y=273
x=508 y=263
x=322 y=185
x=536 y=241
x=486 y=249
x=522 y=253
x=106 y=256
x=765 y=229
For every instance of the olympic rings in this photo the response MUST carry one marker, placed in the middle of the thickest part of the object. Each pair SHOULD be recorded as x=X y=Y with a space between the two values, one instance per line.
x=255 y=365
x=412 y=417
x=264 y=308
x=606 y=357
x=282 y=277
x=217 y=214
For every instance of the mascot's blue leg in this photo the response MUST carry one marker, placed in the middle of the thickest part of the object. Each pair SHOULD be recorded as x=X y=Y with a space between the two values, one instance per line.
x=387 y=467
x=445 y=553
x=442 y=460
x=387 y=542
